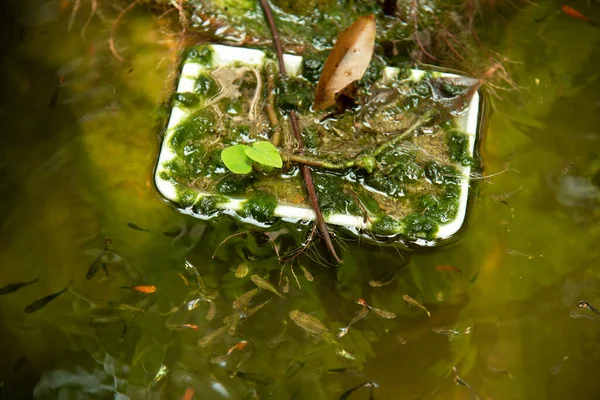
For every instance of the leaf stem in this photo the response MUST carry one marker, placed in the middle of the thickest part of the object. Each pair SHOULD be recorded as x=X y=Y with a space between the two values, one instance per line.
x=306 y=172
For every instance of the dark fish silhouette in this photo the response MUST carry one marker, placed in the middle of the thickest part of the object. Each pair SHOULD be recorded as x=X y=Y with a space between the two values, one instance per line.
x=13 y=287
x=91 y=272
x=43 y=302
x=133 y=226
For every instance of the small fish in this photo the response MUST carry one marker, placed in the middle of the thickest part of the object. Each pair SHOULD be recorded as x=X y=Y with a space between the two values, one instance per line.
x=54 y=97
x=144 y=289
x=40 y=303
x=361 y=314
x=374 y=283
x=310 y=324
x=242 y=270
x=123 y=332
x=13 y=287
x=370 y=385
x=263 y=284
x=459 y=381
x=518 y=253
x=307 y=275
x=97 y=263
x=255 y=309
x=286 y=284
x=571 y=12
x=133 y=226
x=568 y=168
x=447 y=268
x=377 y=311
x=182 y=327
x=212 y=310
x=244 y=299
x=578 y=315
x=172 y=234
x=345 y=354
x=345 y=370
x=212 y=336
x=585 y=304
x=415 y=303
x=501 y=371
x=189 y=394
x=124 y=307
x=239 y=346
x=162 y=372
x=451 y=333
x=556 y=369
x=474 y=278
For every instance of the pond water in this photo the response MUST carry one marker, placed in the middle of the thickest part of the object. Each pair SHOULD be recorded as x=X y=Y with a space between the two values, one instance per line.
x=76 y=168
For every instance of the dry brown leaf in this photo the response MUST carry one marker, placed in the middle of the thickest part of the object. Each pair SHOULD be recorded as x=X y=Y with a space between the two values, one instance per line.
x=347 y=62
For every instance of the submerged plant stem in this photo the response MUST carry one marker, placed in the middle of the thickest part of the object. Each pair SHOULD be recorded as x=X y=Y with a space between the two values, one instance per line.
x=306 y=172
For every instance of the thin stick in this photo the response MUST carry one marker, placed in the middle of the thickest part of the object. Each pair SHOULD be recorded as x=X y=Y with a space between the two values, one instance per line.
x=94 y=7
x=306 y=172
x=113 y=31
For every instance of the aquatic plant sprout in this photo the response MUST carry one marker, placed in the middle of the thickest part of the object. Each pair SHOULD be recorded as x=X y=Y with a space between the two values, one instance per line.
x=403 y=174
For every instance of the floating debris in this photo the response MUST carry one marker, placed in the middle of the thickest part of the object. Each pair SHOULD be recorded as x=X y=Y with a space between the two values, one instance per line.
x=13 y=287
x=370 y=385
x=263 y=284
x=415 y=303
x=133 y=226
x=43 y=302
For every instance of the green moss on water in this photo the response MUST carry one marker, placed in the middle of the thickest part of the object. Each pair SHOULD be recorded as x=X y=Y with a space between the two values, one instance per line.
x=233 y=184
x=311 y=138
x=185 y=196
x=332 y=197
x=386 y=225
x=373 y=73
x=452 y=90
x=196 y=126
x=382 y=183
x=206 y=86
x=406 y=170
x=442 y=174
x=260 y=207
x=419 y=226
x=458 y=147
x=294 y=93
x=186 y=99
x=441 y=210
x=312 y=66
x=208 y=205
x=201 y=54
x=232 y=107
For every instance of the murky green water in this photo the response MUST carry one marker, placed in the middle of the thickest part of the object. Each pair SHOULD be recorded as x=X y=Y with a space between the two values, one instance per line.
x=77 y=173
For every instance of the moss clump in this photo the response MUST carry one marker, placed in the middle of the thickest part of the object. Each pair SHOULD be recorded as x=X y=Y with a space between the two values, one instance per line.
x=451 y=90
x=419 y=226
x=232 y=184
x=294 y=93
x=386 y=225
x=332 y=197
x=458 y=147
x=206 y=86
x=231 y=106
x=442 y=174
x=186 y=99
x=386 y=184
x=312 y=66
x=186 y=197
x=311 y=138
x=185 y=167
x=373 y=73
x=208 y=205
x=201 y=54
x=441 y=210
x=196 y=126
x=260 y=207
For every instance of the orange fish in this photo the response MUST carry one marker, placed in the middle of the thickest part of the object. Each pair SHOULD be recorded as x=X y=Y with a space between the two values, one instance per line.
x=447 y=268
x=183 y=327
x=189 y=394
x=238 y=346
x=144 y=289
x=571 y=12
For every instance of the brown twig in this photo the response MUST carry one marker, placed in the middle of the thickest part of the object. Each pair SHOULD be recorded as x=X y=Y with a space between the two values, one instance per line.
x=306 y=172
x=94 y=7
x=416 y=30
x=113 y=31
x=276 y=139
